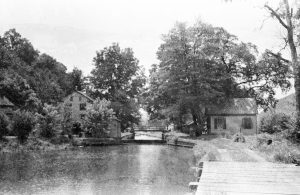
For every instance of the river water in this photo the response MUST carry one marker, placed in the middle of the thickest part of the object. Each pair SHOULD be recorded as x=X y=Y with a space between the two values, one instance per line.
x=125 y=169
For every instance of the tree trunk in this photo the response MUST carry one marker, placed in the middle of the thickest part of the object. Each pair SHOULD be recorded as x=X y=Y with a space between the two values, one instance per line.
x=288 y=25
x=295 y=63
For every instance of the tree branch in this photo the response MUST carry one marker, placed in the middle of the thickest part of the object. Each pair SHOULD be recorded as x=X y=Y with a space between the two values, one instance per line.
x=248 y=81
x=278 y=56
x=274 y=13
x=285 y=45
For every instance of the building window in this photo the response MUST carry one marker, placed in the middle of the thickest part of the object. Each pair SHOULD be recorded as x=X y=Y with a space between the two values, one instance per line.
x=71 y=98
x=82 y=106
x=82 y=116
x=220 y=123
x=247 y=123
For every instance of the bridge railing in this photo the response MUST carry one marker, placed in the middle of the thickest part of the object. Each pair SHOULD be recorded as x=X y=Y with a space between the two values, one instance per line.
x=150 y=128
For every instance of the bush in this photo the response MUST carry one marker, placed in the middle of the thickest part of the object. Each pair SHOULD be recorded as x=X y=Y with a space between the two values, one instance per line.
x=99 y=115
x=23 y=123
x=238 y=137
x=276 y=123
x=276 y=147
x=67 y=121
x=48 y=121
x=4 y=122
x=76 y=128
x=60 y=140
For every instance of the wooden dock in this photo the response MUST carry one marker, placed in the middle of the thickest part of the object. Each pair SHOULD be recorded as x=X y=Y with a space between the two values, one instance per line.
x=248 y=178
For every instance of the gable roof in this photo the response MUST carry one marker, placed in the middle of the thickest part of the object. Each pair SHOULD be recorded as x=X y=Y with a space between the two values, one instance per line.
x=235 y=106
x=85 y=95
x=5 y=102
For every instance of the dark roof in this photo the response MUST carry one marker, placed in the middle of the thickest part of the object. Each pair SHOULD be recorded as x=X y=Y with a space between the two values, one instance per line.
x=236 y=106
x=83 y=94
x=5 y=102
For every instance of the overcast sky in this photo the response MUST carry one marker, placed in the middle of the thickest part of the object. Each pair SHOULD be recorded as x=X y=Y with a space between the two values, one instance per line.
x=72 y=30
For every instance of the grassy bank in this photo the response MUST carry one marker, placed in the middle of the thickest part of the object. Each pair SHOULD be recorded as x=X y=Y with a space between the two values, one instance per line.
x=11 y=144
x=224 y=147
x=275 y=147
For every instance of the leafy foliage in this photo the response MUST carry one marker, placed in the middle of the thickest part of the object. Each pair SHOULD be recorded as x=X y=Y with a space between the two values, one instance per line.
x=28 y=78
x=4 y=122
x=98 y=118
x=118 y=78
x=22 y=125
x=287 y=16
x=76 y=128
x=48 y=121
x=275 y=123
x=66 y=120
x=203 y=66
x=77 y=79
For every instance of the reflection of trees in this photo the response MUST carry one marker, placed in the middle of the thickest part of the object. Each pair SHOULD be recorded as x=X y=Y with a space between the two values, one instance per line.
x=132 y=168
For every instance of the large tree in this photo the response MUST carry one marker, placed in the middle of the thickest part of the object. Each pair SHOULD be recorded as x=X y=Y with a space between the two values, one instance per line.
x=118 y=78
x=288 y=17
x=203 y=66
x=77 y=79
x=24 y=73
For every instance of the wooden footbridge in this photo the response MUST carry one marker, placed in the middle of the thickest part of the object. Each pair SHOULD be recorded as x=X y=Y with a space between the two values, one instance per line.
x=247 y=178
x=148 y=134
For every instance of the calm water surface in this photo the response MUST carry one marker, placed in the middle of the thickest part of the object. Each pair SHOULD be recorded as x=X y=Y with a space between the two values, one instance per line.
x=126 y=169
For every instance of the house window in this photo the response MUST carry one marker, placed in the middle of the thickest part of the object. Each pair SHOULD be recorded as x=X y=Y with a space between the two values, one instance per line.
x=220 y=123
x=82 y=106
x=71 y=98
x=247 y=123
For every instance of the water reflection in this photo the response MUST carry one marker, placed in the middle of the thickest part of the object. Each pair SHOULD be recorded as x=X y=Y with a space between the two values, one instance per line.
x=127 y=169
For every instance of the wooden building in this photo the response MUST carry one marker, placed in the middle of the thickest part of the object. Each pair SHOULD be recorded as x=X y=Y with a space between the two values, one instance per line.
x=79 y=102
x=238 y=114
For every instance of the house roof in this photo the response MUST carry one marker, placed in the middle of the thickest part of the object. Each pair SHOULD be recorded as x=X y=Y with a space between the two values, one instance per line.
x=85 y=95
x=235 y=106
x=5 y=102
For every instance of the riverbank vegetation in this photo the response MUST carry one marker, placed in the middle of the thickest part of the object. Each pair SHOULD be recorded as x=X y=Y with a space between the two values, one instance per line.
x=199 y=66
x=202 y=66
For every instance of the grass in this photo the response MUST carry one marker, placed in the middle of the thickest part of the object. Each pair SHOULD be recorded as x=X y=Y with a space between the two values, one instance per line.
x=276 y=148
x=205 y=151
x=33 y=144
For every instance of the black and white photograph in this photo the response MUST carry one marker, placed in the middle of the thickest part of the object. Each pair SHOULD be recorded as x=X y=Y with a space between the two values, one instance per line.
x=149 y=97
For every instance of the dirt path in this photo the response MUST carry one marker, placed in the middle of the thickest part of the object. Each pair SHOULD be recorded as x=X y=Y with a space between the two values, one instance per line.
x=228 y=151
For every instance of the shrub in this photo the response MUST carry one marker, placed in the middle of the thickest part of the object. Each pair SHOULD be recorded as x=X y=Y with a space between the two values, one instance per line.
x=98 y=118
x=238 y=137
x=4 y=122
x=22 y=125
x=48 y=121
x=60 y=140
x=76 y=128
x=284 y=157
x=276 y=123
x=276 y=148
x=67 y=121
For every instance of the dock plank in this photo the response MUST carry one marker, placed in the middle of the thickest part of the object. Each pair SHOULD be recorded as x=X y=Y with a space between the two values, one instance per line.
x=248 y=178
